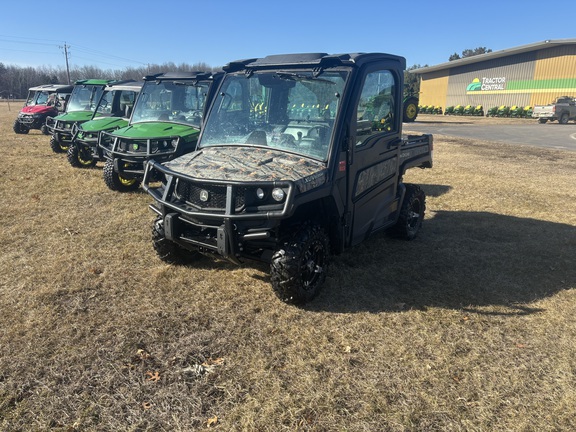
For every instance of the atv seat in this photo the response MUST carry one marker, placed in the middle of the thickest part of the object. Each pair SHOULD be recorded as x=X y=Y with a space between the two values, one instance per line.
x=126 y=109
x=257 y=137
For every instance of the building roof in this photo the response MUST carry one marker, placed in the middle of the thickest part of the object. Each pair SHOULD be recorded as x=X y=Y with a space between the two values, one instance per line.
x=496 y=54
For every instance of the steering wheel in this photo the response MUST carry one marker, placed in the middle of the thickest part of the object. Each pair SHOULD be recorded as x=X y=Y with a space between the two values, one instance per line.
x=314 y=131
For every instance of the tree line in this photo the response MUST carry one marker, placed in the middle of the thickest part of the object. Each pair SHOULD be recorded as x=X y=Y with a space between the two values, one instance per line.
x=16 y=80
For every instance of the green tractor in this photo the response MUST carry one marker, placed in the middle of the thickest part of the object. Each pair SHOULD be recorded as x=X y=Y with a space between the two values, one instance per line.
x=410 y=108
x=112 y=112
x=165 y=124
x=80 y=109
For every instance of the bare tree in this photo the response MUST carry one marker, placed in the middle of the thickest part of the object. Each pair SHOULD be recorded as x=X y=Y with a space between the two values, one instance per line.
x=15 y=81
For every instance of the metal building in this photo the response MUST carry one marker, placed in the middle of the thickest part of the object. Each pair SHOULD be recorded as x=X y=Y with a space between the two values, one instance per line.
x=534 y=74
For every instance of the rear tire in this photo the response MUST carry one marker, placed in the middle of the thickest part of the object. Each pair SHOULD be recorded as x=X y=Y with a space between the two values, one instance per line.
x=411 y=213
x=116 y=182
x=80 y=156
x=167 y=250
x=410 y=110
x=542 y=120
x=298 y=268
x=44 y=130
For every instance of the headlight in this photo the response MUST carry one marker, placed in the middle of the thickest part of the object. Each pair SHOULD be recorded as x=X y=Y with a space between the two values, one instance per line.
x=260 y=193
x=278 y=194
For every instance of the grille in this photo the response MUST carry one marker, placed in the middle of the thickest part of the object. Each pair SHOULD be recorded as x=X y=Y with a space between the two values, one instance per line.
x=216 y=200
x=132 y=146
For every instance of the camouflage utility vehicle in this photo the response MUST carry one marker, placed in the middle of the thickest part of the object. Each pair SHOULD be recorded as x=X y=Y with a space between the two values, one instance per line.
x=80 y=108
x=300 y=156
x=112 y=112
x=165 y=124
x=42 y=101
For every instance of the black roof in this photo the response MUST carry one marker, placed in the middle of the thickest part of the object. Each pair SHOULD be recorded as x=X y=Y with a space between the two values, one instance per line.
x=60 y=88
x=311 y=60
x=193 y=75
x=126 y=85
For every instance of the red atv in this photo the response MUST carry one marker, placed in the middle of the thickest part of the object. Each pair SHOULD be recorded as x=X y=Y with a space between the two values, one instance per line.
x=43 y=101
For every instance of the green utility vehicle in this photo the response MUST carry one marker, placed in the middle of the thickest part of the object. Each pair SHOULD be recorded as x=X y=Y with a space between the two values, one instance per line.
x=271 y=183
x=80 y=108
x=165 y=124
x=42 y=101
x=113 y=112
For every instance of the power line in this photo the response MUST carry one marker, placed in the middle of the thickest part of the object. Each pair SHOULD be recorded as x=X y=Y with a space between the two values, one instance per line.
x=86 y=50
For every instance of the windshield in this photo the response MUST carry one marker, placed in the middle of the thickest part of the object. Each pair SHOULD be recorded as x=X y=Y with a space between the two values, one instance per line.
x=84 y=98
x=286 y=110
x=37 y=97
x=172 y=101
x=104 y=107
x=31 y=98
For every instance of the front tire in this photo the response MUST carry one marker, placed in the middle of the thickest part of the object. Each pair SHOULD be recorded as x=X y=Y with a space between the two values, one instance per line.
x=167 y=250
x=563 y=118
x=298 y=268
x=411 y=213
x=116 y=182
x=19 y=128
x=80 y=156
x=56 y=146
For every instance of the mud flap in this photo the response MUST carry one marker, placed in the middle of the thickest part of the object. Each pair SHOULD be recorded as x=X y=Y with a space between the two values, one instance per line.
x=222 y=242
x=171 y=222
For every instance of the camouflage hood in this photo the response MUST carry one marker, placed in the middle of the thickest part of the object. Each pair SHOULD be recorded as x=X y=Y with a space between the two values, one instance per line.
x=247 y=164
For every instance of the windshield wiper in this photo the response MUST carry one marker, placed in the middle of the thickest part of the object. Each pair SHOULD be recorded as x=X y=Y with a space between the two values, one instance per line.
x=298 y=77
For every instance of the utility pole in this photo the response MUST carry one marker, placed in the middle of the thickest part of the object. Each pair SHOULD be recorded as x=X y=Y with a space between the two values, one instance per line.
x=66 y=56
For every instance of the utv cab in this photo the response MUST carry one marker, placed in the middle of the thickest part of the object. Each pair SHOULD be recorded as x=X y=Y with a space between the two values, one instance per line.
x=42 y=101
x=80 y=108
x=112 y=112
x=300 y=156
x=165 y=123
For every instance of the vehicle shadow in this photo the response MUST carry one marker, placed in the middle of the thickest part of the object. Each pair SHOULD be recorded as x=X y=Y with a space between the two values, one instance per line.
x=434 y=190
x=479 y=262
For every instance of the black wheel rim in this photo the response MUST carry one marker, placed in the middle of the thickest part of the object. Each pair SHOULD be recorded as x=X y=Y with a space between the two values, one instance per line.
x=414 y=215
x=84 y=156
x=312 y=265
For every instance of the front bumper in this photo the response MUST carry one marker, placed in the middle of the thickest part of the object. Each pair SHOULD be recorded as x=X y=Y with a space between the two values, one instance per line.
x=31 y=121
x=131 y=154
x=61 y=130
x=87 y=139
x=221 y=217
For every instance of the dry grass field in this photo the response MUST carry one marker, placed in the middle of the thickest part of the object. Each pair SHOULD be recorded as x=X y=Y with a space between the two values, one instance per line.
x=470 y=327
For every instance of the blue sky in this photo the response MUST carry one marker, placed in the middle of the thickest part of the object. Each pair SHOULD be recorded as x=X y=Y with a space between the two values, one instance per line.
x=115 y=35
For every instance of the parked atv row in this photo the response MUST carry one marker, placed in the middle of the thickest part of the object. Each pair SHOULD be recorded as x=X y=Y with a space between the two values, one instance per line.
x=478 y=110
x=510 y=111
x=107 y=121
x=430 y=109
x=468 y=110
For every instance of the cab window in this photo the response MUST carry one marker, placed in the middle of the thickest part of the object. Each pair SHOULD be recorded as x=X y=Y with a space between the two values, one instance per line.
x=375 y=109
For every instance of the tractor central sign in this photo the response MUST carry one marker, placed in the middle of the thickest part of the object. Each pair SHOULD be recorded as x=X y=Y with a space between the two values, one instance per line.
x=487 y=84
